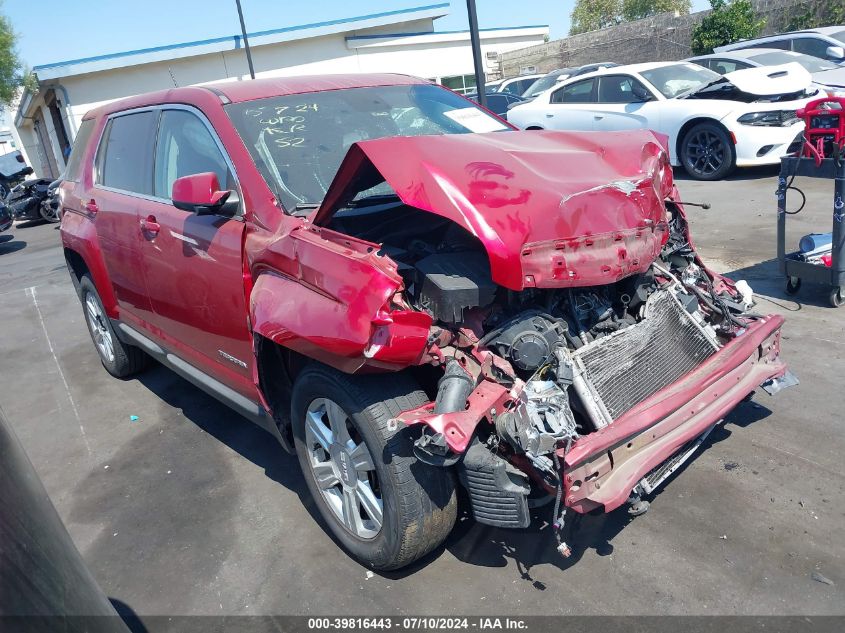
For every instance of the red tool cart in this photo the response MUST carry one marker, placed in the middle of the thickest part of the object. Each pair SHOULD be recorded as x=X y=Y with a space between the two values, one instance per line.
x=822 y=156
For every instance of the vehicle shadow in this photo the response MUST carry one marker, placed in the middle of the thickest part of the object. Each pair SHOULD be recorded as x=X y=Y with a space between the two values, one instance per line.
x=469 y=542
x=131 y=619
x=8 y=244
x=769 y=285
x=219 y=421
x=740 y=174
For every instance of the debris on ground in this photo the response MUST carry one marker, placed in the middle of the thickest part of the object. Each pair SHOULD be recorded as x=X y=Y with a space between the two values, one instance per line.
x=724 y=537
x=822 y=579
x=134 y=418
x=370 y=574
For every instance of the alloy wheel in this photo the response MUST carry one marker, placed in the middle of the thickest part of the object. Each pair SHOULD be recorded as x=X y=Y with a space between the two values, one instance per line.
x=343 y=468
x=706 y=152
x=100 y=331
x=50 y=212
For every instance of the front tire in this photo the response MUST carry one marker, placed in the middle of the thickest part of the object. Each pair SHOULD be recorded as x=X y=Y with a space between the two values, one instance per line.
x=49 y=213
x=119 y=359
x=707 y=152
x=385 y=508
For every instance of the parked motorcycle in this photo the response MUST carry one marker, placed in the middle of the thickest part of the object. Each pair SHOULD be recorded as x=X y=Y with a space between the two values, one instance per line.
x=6 y=219
x=34 y=200
x=11 y=176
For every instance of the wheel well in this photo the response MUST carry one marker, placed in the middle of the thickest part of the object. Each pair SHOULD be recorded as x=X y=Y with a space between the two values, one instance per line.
x=533 y=127
x=76 y=265
x=686 y=127
x=278 y=367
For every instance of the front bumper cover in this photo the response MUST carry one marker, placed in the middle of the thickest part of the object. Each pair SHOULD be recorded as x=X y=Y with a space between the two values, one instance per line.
x=602 y=468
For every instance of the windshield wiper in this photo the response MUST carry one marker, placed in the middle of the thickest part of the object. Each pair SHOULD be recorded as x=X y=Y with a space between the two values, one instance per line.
x=375 y=199
x=304 y=207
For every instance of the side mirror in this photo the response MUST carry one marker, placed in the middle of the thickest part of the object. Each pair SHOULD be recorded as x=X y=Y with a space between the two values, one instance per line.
x=835 y=52
x=641 y=94
x=199 y=193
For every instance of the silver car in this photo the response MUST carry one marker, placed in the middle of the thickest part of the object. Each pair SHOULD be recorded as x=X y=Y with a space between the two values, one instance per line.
x=826 y=42
x=827 y=76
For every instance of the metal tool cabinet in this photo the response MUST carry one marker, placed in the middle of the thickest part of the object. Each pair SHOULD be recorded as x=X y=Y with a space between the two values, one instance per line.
x=791 y=264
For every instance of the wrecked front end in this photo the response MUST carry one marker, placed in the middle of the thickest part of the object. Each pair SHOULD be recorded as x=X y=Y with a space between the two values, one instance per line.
x=583 y=348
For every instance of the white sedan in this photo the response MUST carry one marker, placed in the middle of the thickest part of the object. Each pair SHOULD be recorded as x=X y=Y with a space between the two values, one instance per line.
x=714 y=123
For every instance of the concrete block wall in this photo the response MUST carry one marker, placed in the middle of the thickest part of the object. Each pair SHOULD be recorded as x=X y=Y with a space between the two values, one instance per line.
x=664 y=37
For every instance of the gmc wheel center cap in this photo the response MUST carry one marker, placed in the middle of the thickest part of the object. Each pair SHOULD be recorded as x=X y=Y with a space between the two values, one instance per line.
x=342 y=461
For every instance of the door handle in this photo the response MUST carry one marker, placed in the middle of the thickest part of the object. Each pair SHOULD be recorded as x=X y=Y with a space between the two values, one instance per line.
x=150 y=225
x=598 y=117
x=549 y=115
x=91 y=207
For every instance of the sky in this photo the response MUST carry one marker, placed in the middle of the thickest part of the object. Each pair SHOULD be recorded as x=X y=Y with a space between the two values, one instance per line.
x=69 y=29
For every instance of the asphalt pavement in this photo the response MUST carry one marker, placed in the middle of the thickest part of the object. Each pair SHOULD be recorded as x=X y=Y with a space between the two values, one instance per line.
x=189 y=509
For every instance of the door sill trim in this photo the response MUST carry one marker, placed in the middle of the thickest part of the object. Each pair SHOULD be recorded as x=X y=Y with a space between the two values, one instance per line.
x=249 y=409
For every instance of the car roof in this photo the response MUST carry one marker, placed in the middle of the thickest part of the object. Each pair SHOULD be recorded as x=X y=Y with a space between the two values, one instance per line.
x=630 y=68
x=518 y=77
x=241 y=91
x=825 y=30
x=822 y=30
x=744 y=53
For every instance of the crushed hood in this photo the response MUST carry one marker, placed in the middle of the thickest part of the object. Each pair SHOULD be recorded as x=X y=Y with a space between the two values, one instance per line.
x=552 y=209
x=763 y=81
x=771 y=80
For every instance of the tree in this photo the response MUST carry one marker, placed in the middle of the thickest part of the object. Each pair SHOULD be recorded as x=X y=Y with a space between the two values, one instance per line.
x=809 y=15
x=728 y=22
x=12 y=74
x=591 y=15
x=639 y=9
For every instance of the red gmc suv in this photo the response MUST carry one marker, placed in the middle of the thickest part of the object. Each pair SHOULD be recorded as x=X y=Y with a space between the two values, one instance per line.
x=412 y=295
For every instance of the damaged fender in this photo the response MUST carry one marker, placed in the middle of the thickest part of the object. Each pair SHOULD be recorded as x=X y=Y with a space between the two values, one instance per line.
x=332 y=302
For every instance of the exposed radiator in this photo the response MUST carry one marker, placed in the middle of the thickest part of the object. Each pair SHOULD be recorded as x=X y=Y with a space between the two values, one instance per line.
x=628 y=366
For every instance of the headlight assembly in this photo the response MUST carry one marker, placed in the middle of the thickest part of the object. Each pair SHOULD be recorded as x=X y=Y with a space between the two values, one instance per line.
x=773 y=118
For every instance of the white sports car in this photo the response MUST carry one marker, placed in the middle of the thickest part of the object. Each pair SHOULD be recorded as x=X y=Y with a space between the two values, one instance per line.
x=714 y=122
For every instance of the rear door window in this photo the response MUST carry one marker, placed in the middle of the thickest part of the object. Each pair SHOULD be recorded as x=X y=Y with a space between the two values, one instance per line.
x=579 y=92
x=724 y=66
x=782 y=44
x=125 y=160
x=74 y=161
x=619 y=89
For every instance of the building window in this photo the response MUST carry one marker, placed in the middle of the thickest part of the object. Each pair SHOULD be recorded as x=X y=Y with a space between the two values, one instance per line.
x=461 y=84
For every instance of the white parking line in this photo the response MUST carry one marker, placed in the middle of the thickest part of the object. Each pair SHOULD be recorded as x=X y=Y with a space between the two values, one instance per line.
x=31 y=292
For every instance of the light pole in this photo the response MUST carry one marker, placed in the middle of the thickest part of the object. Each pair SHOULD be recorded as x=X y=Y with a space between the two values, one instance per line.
x=475 y=41
x=246 y=40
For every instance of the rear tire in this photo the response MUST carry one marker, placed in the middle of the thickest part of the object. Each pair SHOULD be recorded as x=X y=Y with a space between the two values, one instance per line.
x=119 y=359
x=385 y=508
x=707 y=152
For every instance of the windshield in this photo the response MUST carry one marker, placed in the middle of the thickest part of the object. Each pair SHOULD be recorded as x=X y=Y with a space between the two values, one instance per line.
x=811 y=64
x=677 y=79
x=298 y=141
x=545 y=82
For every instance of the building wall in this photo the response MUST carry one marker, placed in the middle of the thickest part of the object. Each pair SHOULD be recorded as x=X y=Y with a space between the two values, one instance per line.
x=319 y=55
x=664 y=37
x=450 y=55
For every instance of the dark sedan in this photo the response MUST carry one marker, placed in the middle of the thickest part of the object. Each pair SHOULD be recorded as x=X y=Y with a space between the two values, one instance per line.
x=498 y=102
